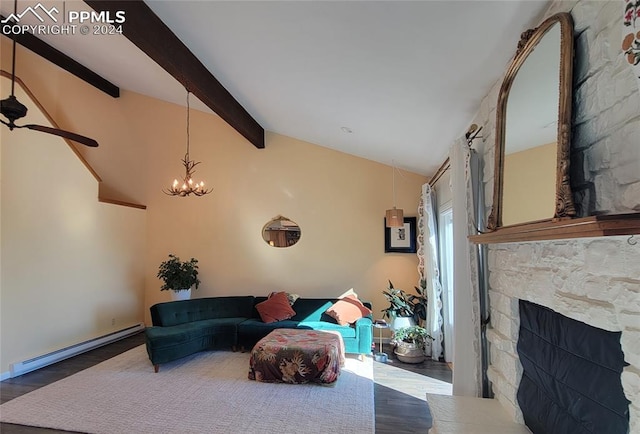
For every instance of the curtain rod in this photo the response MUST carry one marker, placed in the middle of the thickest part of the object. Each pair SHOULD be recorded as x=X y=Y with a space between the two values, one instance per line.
x=439 y=172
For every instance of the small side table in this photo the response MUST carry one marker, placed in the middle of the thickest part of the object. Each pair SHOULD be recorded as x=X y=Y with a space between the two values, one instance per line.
x=380 y=324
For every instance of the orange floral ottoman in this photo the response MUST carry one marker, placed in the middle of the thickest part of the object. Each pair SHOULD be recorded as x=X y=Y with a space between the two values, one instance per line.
x=297 y=356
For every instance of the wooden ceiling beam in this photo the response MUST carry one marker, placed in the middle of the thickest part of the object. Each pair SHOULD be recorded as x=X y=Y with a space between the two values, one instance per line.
x=65 y=62
x=147 y=31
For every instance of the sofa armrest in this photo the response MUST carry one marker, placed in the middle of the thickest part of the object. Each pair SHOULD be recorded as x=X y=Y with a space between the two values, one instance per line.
x=364 y=334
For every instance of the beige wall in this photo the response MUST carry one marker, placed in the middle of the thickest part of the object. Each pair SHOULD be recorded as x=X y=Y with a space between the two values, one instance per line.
x=337 y=199
x=529 y=187
x=79 y=107
x=71 y=266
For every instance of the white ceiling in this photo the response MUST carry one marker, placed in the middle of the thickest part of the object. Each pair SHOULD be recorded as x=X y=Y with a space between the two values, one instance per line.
x=405 y=77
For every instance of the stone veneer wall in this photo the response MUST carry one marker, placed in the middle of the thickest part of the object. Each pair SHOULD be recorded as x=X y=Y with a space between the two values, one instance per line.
x=595 y=280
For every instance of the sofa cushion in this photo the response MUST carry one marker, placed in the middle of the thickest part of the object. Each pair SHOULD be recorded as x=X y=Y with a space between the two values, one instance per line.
x=276 y=308
x=168 y=336
x=348 y=310
x=251 y=326
x=312 y=309
x=162 y=337
x=345 y=331
x=198 y=309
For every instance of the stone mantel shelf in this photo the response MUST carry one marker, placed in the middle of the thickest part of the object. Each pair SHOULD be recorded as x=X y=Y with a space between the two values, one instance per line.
x=593 y=226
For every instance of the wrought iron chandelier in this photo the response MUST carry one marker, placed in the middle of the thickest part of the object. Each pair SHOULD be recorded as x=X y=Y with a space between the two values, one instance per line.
x=189 y=186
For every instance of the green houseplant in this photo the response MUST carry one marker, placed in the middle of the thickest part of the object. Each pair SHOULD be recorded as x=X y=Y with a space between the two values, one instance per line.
x=399 y=304
x=178 y=275
x=403 y=304
x=411 y=343
x=420 y=302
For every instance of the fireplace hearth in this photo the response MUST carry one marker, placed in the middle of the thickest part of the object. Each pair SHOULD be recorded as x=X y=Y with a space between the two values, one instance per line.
x=571 y=375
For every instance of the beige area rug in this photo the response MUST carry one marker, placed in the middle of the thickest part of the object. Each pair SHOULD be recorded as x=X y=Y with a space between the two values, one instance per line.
x=205 y=393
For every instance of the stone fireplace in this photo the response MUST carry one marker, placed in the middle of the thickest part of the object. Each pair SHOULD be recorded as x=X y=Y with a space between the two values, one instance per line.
x=594 y=280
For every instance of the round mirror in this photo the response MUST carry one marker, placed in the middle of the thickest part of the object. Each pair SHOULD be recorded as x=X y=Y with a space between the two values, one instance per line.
x=281 y=232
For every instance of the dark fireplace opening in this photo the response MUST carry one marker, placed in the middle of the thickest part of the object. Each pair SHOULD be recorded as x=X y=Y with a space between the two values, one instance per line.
x=571 y=375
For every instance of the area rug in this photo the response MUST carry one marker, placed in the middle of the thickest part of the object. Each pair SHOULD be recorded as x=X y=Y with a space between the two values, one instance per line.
x=205 y=393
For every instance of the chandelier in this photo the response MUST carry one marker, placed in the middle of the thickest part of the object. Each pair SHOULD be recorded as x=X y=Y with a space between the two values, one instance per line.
x=189 y=186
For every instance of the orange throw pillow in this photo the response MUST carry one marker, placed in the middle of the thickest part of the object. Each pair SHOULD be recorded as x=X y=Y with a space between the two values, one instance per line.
x=276 y=308
x=348 y=310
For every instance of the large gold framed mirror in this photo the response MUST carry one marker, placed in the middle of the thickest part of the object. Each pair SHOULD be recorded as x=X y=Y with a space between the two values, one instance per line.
x=533 y=129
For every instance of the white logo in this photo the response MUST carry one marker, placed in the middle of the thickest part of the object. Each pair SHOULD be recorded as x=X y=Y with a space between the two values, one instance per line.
x=69 y=22
x=33 y=11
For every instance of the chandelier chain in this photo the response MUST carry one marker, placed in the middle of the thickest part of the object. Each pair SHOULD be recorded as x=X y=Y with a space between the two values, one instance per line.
x=188 y=111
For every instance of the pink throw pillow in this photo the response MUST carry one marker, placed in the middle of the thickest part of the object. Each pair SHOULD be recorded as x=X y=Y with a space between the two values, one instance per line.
x=275 y=308
x=348 y=310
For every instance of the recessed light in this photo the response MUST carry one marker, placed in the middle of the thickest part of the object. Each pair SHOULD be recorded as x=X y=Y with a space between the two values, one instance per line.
x=347 y=130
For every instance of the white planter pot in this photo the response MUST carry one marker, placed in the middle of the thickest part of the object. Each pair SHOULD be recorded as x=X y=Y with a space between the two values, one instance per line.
x=184 y=294
x=401 y=322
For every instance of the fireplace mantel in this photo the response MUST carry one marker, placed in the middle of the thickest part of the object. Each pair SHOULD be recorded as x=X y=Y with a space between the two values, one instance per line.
x=593 y=226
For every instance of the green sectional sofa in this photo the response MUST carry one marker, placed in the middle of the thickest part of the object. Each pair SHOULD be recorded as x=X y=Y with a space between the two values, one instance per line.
x=181 y=328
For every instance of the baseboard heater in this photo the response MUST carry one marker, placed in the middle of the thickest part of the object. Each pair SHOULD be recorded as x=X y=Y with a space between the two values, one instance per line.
x=34 y=363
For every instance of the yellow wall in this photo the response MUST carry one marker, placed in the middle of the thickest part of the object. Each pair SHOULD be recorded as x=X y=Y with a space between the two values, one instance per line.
x=72 y=268
x=79 y=107
x=529 y=187
x=338 y=200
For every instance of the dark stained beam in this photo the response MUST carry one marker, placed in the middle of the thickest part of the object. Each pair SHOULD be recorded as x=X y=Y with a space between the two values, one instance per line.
x=145 y=29
x=65 y=62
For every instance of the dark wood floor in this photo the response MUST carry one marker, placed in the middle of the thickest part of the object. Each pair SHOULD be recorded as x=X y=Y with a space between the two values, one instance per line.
x=396 y=412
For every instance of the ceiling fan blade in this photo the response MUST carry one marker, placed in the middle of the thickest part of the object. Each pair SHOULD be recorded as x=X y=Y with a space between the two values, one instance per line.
x=62 y=133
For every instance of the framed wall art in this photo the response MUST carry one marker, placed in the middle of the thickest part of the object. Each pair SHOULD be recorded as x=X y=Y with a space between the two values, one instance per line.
x=401 y=239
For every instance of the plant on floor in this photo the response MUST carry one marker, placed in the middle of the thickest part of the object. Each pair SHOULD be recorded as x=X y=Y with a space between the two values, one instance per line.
x=410 y=343
x=178 y=275
x=412 y=335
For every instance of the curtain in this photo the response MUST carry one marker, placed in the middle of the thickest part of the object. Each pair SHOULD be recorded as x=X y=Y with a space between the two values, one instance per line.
x=467 y=365
x=430 y=274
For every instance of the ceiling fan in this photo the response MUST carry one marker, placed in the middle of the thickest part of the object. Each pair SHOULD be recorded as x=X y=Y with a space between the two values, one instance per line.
x=12 y=109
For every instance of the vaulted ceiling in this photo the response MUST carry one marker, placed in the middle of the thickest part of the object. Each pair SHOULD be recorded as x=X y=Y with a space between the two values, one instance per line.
x=384 y=80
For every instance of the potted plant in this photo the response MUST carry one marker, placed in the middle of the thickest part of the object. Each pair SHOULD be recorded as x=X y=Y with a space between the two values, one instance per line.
x=419 y=302
x=411 y=308
x=400 y=310
x=179 y=276
x=410 y=343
